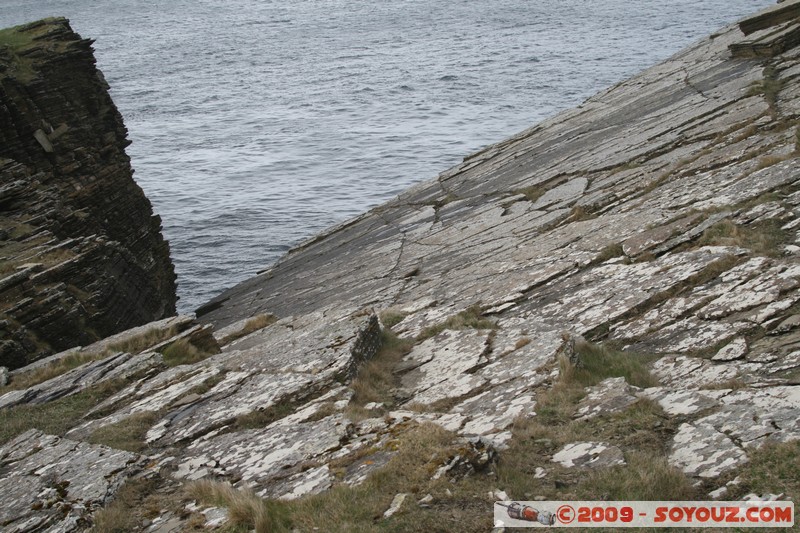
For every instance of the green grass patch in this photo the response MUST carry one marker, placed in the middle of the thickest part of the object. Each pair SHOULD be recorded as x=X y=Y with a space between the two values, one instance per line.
x=23 y=380
x=14 y=39
x=773 y=469
x=128 y=434
x=643 y=432
x=56 y=417
x=183 y=352
x=600 y=361
x=139 y=343
x=261 y=418
x=646 y=477
x=471 y=317
x=764 y=238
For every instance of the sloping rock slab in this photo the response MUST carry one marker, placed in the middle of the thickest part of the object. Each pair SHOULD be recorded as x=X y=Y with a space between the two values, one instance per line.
x=257 y=392
x=330 y=343
x=444 y=365
x=153 y=402
x=261 y=458
x=110 y=344
x=49 y=481
x=117 y=366
x=686 y=372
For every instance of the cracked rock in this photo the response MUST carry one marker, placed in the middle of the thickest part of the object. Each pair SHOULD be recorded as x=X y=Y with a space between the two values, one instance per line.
x=699 y=450
x=589 y=454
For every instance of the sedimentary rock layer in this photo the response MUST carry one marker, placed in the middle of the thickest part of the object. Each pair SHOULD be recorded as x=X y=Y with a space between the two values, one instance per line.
x=81 y=253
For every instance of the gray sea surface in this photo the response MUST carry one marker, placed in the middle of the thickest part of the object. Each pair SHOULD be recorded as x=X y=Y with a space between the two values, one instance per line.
x=257 y=123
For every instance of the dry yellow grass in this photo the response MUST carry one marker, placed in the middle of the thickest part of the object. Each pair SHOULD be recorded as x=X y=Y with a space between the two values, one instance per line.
x=764 y=238
x=471 y=317
x=23 y=380
x=252 y=325
x=138 y=344
x=245 y=508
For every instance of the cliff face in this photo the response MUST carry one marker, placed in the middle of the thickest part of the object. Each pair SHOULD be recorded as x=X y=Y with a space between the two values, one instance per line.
x=605 y=306
x=81 y=253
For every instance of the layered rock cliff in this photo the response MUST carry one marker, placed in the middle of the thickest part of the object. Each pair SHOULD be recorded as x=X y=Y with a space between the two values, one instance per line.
x=605 y=306
x=81 y=253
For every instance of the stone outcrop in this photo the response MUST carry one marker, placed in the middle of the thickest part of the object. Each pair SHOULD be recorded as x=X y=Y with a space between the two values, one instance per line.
x=659 y=220
x=55 y=484
x=81 y=253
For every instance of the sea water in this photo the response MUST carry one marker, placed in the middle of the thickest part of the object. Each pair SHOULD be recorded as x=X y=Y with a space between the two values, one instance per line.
x=257 y=123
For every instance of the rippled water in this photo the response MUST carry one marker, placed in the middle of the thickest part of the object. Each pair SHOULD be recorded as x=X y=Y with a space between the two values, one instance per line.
x=257 y=123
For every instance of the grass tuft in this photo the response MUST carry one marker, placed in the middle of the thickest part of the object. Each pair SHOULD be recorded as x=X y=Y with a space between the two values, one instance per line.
x=609 y=252
x=183 y=352
x=117 y=517
x=764 y=238
x=768 y=87
x=392 y=317
x=598 y=362
x=141 y=342
x=254 y=324
x=128 y=434
x=472 y=317
x=532 y=193
x=245 y=509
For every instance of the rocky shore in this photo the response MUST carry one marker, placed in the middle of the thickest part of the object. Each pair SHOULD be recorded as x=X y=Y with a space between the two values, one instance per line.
x=81 y=253
x=604 y=306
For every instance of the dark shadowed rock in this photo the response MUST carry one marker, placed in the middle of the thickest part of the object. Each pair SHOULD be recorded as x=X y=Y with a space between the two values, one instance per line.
x=81 y=253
